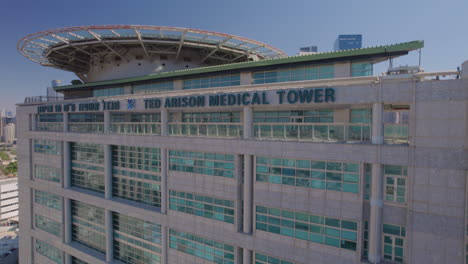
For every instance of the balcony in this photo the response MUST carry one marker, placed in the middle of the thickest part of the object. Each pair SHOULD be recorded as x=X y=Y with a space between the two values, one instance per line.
x=222 y=130
x=321 y=132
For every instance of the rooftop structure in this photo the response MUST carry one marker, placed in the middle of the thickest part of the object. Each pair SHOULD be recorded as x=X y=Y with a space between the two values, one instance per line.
x=286 y=160
x=346 y=42
x=95 y=52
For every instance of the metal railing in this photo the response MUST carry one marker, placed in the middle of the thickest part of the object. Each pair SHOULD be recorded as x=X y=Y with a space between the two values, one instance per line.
x=135 y=128
x=49 y=126
x=42 y=99
x=86 y=127
x=225 y=130
x=396 y=134
x=320 y=132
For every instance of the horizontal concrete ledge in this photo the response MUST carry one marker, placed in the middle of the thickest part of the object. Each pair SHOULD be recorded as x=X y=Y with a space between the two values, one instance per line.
x=443 y=158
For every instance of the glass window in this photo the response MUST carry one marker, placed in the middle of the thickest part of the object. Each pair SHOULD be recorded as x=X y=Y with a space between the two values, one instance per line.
x=265 y=259
x=393 y=242
x=136 y=123
x=214 y=164
x=206 y=124
x=87 y=166
x=108 y=92
x=205 y=206
x=210 y=82
x=48 y=225
x=153 y=87
x=50 y=252
x=86 y=122
x=88 y=226
x=47 y=173
x=395 y=183
x=76 y=260
x=48 y=199
x=49 y=122
x=207 y=249
x=314 y=228
x=365 y=240
x=368 y=179
x=328 y=175
x=361 y=116
x=294 y=74
x=135 y=240
x=136 y=174
x=361 y=69
x=47 y=147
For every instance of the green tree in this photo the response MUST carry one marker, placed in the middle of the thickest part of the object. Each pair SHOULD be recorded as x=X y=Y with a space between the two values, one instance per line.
x=4 y=156
x=11 y=168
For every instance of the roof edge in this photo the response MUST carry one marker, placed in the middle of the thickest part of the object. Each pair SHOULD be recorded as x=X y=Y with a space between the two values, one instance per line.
x=385 y=51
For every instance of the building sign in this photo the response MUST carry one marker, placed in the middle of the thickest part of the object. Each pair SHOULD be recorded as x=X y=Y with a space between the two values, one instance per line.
x=293 y=96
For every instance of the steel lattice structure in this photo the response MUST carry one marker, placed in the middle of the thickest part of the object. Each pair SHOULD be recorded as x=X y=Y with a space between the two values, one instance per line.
x=74 y=48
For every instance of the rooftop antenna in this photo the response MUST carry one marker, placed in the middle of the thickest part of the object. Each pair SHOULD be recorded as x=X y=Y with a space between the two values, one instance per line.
x=419 y=51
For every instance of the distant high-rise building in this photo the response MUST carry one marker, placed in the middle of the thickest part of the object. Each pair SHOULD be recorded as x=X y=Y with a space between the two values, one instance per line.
x=345 y=42
x=308 y=50
x=9 y=134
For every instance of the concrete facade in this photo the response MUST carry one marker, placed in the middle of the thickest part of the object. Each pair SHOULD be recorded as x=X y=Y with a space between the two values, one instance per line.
x=416 y=216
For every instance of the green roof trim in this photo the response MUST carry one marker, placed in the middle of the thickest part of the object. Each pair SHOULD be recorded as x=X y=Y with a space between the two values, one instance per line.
x=382 y=51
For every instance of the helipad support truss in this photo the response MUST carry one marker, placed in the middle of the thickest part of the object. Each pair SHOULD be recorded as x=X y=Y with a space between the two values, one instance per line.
x=75 y=48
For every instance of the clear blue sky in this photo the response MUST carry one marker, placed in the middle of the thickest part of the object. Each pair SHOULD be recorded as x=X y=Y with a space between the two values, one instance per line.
x=284 y=24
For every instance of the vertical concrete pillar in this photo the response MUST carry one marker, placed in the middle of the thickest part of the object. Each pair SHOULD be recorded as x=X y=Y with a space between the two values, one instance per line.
x=178 y=84
x=164 y=122
x=66 y=165
x=108 y=171
x=376 y=210
x=248 y=193
x=128 y=89
x=33 y=123
x=245 y=78
x=164 y=245
x=109 y=237
x=248 y=122
x=68 y=259
x=107 y=121
x=67 y=221
x=238 y=163
x=377 y=123
x=247 y=256
x=164 y=191
x=65 y=122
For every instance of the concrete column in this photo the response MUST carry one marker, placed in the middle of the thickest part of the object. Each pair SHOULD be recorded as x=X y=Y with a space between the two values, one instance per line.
x=66 y=165
x=377 y=123
x=107 y=121
x=464 y=70
x=247 y=256
x=164 y=245
x=164 y=191
x=67 y=221
x=248 y=122
x=342 y=70
x=127 y=89
x=178 y=85
x=33 y=123
x=65 y=122
x=238 y=163
x=109 y=237
x=68 y=259
x=248 y=193
x=376 y=210
x=245 y=78
x=108 y=171
x=164 y=122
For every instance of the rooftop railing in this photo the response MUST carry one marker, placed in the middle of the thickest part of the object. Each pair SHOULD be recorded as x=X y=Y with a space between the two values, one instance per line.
x=224 y=130
x=320 y=132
